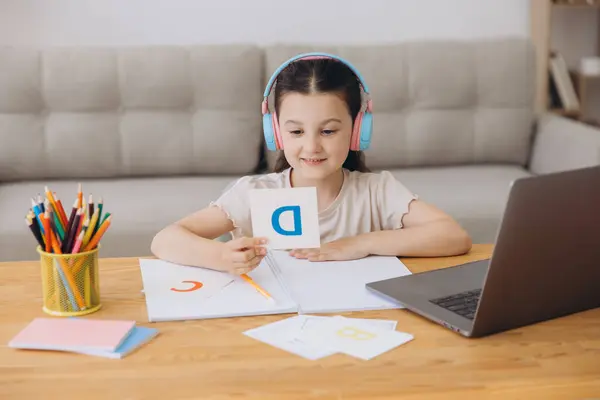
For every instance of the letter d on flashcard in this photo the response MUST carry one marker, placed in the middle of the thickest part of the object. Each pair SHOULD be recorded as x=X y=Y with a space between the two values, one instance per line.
x=288 y=217
x=276 y=221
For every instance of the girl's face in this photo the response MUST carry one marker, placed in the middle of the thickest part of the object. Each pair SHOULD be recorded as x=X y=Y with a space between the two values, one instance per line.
x=316 y=131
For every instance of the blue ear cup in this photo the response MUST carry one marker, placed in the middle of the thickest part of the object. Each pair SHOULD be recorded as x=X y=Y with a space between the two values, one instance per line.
x=366 y=130
x=269 y=133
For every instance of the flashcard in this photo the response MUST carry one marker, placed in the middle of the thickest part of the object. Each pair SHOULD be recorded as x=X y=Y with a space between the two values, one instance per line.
x=288 y=217
x=355 y=339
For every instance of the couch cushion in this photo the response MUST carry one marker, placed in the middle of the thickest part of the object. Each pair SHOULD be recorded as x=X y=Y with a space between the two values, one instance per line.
x=141 y=207
x=73 y=112
x=441 y=102
x=474 y=195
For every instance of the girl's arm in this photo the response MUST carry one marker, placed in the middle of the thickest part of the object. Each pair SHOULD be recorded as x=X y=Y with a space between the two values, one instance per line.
x=426 y=232
x=190 y=241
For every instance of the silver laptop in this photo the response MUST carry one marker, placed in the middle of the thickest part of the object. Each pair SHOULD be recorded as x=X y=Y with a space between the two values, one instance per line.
x=545 y=263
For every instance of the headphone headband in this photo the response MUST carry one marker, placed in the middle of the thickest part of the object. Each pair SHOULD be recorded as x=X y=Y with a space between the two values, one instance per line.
x=309 y=56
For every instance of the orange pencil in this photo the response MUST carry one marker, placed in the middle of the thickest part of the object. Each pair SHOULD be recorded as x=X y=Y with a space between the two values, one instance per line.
x=50 y=198
x=67 y=273
x=92 y=243
x=98 y=235
x=61 y=211
x=79 y=197
x=256 y=286
x=46 y=224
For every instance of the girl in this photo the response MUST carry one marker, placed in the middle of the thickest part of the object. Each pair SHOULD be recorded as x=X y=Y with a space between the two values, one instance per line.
x=317 y=101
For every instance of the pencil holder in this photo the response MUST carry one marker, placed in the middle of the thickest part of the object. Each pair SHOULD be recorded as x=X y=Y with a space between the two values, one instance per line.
x=70 y=284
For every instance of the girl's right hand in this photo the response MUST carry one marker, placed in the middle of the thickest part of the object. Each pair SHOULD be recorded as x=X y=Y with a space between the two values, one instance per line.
x=242 y=255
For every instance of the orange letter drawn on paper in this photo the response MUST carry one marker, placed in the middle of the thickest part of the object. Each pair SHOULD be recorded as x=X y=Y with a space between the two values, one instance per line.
x=196 y=285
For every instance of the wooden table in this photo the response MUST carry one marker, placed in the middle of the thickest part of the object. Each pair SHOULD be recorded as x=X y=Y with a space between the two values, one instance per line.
x=212 y=359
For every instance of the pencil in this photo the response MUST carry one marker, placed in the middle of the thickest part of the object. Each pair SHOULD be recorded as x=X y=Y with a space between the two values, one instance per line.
x=37 y=211
x=74 y=210
x=61 y=212
x=91 y=205
x=46 y=223
x=79 y=196
x=68 y=280
x=92 y=226
x=100 y=207
x=256 y=286
x=34 y=227
x=68 y=244
x=92 y=243
x=40 y=202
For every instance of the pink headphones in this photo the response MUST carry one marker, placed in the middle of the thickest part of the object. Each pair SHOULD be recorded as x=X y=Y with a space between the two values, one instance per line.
x=363 y=124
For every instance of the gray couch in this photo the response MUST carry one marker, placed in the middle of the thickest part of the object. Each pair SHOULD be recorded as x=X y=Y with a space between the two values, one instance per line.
x=159 y=132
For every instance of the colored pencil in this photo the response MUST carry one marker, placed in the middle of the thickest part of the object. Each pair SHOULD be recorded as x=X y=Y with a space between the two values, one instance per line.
x=72 y=216
x=61 y=212
x=100 y=207
x=68 y=244
x=256 y=286
x=37 y=210
x=40 y=202
x=35 y=229
x=90 y=231
x=70 y=284
x=79 y=196
x=81 y=231
x=91 y=205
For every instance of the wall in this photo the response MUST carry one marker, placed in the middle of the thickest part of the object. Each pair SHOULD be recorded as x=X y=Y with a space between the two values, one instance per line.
x=131 y=22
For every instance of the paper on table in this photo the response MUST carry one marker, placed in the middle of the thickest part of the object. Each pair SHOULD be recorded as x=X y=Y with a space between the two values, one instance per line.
x=282 y=334
x=230 y=295
x=338 y=286
x=286 y=334
x=354 y=338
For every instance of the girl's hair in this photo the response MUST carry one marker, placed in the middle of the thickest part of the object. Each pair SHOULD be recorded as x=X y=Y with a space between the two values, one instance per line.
x=322 y=76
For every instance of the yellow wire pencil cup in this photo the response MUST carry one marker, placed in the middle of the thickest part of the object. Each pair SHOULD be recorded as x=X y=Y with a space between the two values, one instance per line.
x=70 y=283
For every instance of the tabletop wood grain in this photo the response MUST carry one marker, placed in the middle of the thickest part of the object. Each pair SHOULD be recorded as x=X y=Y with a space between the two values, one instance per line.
x=212 y=359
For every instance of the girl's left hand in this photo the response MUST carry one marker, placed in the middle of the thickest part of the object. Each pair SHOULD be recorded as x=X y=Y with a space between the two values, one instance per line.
x=338 y=250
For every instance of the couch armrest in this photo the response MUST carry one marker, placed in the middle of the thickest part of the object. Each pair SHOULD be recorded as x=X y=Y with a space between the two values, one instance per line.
x=562 y=144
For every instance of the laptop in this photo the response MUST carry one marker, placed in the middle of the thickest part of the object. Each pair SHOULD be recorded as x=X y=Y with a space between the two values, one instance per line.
x=545 y=263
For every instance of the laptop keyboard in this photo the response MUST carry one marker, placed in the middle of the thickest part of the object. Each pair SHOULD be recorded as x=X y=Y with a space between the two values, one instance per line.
x=464 y=303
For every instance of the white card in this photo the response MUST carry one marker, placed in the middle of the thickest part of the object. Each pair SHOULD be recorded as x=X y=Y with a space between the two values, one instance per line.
x=287 y=334
x=355 y=339
x=283 y=335
x=288 y=217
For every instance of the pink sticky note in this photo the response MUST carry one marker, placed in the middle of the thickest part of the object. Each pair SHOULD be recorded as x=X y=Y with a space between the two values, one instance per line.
x=72 y=334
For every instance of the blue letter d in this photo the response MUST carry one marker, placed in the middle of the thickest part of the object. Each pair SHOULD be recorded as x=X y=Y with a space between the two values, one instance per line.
x=297 y=222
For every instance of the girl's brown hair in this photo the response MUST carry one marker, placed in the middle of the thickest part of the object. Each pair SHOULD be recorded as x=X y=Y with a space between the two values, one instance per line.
x=321 y=76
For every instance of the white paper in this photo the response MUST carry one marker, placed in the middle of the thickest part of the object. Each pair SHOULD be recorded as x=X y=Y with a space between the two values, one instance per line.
x=355 y=339
x=283 y=335
x=287 y=334
x=338 y=286
x=271 y=217
x=235 y=297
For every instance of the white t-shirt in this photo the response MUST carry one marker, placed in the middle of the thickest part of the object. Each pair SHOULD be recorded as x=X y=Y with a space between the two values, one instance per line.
x=367 y=202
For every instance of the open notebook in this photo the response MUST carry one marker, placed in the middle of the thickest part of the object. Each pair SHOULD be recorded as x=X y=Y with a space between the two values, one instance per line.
x=176 y=292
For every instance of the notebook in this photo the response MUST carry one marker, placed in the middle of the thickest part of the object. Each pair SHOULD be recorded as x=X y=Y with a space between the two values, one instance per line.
x=297 y=286
x=72 y=334
x=139 y=336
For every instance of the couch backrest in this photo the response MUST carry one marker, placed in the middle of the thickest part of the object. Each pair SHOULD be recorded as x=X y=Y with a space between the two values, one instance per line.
x=75 y=112
x=441 y=102
x=109 y=112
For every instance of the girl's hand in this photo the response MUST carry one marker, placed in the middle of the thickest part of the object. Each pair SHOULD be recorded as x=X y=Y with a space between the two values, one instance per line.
x=242 y=255
x=349 y=248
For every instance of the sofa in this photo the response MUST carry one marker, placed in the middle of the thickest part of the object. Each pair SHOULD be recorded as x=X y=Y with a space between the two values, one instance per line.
x=160 y=131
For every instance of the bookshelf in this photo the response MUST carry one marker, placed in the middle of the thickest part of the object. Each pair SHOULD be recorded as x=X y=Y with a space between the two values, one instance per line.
x=548 y=57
